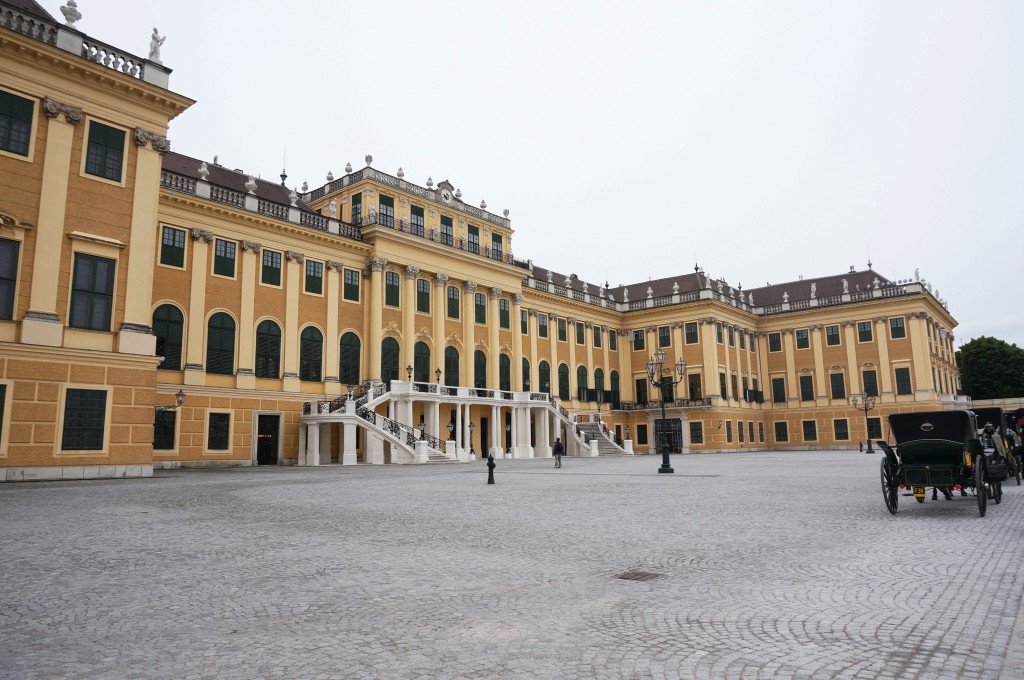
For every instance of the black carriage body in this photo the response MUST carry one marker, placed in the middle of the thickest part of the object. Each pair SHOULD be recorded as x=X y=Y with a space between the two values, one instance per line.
x=933 y=448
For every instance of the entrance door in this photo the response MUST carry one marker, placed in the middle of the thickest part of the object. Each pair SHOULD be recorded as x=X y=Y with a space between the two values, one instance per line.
x=485 y=437
x=675 y=434
x=267 y=431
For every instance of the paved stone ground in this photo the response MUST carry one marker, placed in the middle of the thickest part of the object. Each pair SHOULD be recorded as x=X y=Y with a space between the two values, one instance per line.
x=770 y=565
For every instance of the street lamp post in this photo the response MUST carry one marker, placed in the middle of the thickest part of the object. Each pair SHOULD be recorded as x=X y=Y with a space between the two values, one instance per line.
x=179 y=399
x=437 y=375
x=865 y=403
x=408 y=372
x=451 y=430
x=661 y=379
x=472 y=427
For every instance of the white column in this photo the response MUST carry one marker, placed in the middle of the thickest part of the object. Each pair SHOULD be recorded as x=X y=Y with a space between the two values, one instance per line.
x=374 y=448
x=435 y=421
x=326 y=440
x=495 y=449
x=529 y=433
x=514 y=443
x=302 y=444
x=348 y=442
x=459 y=439
x=313 y=450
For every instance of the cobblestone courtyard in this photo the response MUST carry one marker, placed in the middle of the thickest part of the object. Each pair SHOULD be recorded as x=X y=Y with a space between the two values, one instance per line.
x=768 y=565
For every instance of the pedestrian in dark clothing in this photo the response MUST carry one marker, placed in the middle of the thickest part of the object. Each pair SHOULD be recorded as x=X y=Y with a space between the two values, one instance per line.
x=558 y=450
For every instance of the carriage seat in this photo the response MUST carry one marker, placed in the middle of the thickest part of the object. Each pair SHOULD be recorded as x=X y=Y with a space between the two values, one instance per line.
x=937 y=452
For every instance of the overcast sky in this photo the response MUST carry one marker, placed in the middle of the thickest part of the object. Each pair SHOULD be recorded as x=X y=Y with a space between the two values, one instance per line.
x=631 y=140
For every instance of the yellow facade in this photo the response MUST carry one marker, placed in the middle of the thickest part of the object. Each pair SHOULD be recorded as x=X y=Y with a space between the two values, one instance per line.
x=259 y=303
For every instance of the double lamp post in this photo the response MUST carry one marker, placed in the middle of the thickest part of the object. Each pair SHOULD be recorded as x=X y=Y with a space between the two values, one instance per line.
x=661 y=378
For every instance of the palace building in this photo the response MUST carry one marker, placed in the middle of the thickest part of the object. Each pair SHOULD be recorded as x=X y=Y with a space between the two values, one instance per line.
x=158 y=311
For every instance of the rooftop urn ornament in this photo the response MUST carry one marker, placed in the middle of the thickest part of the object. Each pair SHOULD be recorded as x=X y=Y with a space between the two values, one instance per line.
x=400 y=173
x=430 y=182
x=284 y=176
x=71 y=13
x=154 y=46
x=549 y=277
x=458 y=193
x=568 y=282
x=586 y=291
x=720 y=284
x=846 y=286
x=369 y=160
x=483 y=205
x=814 y=290
x=875 y=282
x=650 y=292
x=293 y=197
x=675 y=288
x=785 y=297
x=250 y=186
x=204 y=171
x=917 y=274
x=305 y=187
x=330 y=176
x=625 y=294
x=505 y=213
x=348 y=168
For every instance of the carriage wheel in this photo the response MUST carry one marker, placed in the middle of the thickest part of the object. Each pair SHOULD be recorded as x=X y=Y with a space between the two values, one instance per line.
x=890 y=486
x=979 y=484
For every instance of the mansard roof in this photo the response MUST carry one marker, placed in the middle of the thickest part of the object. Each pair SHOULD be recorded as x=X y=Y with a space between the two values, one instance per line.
x=234 y=180
x=30 y=7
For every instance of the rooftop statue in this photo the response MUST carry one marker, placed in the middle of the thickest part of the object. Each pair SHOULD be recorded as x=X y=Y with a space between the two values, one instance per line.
x=154 y=46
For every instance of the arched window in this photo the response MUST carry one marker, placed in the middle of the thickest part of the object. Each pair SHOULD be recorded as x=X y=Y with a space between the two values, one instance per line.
x=168 y=324
x=563 y=382
x=613 y=378
x=544 y=376
x=421 y=362
x=220 y=344
x=526 y=375
x=581 y=383
x=451 y=367
x=598 y=379
x=268 y=350
x=388 y=360
x=350 y=348
x=311 y=351
x=504 y=373
x=479 y=369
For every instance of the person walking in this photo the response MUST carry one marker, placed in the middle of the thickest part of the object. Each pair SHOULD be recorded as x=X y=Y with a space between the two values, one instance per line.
x=558 y=450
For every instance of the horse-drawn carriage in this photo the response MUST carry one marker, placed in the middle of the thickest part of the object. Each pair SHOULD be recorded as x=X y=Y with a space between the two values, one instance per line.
x=938 y=449
x=995 y=433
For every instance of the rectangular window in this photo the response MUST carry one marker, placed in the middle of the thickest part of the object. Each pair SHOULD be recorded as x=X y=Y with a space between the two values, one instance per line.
x=842 y=429
x=9 y=251
x=743 y=340
x=718 y=332
x=803 y=339
x=831 y=335
x=723 y=390
x=696 y=432
x=897 y=328
x=392 y=285
x=781 y=432
x=453 y=302
x=357 y=209
x=750 y=429
x=810 y=430
x=416 y=221
x=580 y=337
x=270 y=272
x=694 y=386
x=870 y=383
x=739 y=430
x=480 y=308
x=105 y=154
x=774 y=342
x=85 y=415
x=874 y=428
x=504 y=314
x=315 y=277
x=496 y=246
x=172 y=247
x=641 y=435
x=351 y=285
x=524 y=322
x=542 y=325
x=473 y=234
x=613 y=341
x=562 y=330
x=92 y=296
x=3 y=404
x=423 y=296
x=163 y=430
x=864 y=331
x=760 y=432
x=807 y=388
x=735 y=392
x=838 y=381
x=641 y=391
x=219 y=432
x=387 y=211
x=447 y=231
x=224 y=258
x=732 y=337
x=15 y=123
x=664 y=336
x=691 y=333
x=903 y=381
x=728 y=431
x=638 y=340
x=778 y=390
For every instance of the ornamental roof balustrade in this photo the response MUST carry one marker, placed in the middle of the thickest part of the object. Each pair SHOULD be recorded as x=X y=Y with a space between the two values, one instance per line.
x=487 y=252
x=27 y=24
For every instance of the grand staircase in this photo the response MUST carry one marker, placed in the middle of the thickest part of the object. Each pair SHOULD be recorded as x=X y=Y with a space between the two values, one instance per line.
x=605 y=445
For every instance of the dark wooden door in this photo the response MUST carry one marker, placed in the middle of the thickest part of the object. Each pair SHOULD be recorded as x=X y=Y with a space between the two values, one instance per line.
x=267 y=432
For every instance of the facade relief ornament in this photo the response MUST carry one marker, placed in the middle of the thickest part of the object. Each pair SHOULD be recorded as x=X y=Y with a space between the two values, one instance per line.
x=424 y=333
x=200 y=234
x=495 y=293
x=677 y=324
x=622 y=333
x=846 y=324
x=481 y=343
x=53 y=108
x=469 y=286
x=336 y=266
x=651 y=329
x=411 y=271
x=249 y=245
x=881 y=319
x=392 y=327
x=377 y=264
x=453 y=339
x=531 y=312
x=294 y=257
x=160 y=143
x=440 y=279
x=815 y=326
x=518 y=298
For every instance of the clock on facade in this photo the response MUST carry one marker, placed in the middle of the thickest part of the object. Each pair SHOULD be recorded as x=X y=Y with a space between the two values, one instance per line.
x=446 y=196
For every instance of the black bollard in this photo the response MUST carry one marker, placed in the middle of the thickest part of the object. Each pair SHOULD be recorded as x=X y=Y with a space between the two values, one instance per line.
x=862 y=447
x=490 y=469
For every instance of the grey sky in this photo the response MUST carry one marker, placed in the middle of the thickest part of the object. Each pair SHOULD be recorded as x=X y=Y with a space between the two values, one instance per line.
x=629 y=140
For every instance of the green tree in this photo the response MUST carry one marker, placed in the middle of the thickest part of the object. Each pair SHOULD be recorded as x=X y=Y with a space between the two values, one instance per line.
x=991 y=369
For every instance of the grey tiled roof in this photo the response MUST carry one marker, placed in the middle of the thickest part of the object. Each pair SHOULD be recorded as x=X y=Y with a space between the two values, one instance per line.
x=229 y=179
x=30 y=7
